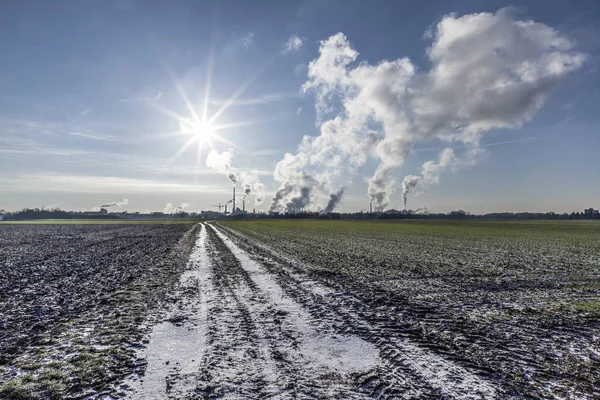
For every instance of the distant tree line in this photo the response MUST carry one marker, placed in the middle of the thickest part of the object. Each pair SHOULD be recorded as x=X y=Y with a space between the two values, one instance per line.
x=56 y=213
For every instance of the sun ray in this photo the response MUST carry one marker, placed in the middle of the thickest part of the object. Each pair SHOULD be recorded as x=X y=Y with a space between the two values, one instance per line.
x=226 y=141
x=165 y=111
x=203 y=131
x=182 y=149
x=199 y=155
x=207 y=86
x=166 y=135
x=251 y=122
x=184 y=97
x=238 y=93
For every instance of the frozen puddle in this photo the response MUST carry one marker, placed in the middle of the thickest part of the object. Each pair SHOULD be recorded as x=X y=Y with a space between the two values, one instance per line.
x=322 y=353
x=346 y=354
x=177 y=345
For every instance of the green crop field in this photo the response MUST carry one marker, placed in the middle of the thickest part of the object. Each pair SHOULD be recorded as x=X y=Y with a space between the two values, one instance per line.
x=511 y=295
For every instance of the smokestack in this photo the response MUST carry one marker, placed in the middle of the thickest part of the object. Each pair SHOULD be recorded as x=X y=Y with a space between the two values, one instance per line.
x=233 y=209
x=371 y=208
x=244 y=204
x=225 y=208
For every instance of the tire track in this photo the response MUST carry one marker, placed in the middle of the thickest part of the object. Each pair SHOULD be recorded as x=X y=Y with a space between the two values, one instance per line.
x=237 y=361
x=318 y=362
x=176 y=345
x=432 y=375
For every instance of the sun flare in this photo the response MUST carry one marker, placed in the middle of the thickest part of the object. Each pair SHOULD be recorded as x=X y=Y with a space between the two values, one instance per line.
x=201 y=127
x=202 y=131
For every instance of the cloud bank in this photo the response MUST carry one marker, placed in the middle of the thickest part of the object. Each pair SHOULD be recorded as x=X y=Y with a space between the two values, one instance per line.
x=487 y=71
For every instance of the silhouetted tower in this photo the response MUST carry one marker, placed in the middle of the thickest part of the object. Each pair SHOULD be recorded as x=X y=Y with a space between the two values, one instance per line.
x=233 y=208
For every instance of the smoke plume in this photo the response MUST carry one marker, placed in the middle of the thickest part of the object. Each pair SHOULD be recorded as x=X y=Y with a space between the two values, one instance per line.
x=252 y=184
x=221 y=162
x=487 y=71
x=170 y=208
x=409 y=182
x=334 y=200
x=119 y=204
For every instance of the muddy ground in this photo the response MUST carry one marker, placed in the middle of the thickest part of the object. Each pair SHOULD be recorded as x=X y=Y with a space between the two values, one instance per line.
x=258 y=324
x=73 y=299
x=233 y=311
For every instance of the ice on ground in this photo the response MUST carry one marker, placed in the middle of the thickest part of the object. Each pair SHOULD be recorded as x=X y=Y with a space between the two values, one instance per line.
x=449 y=377
x=319 y=351
x=344 y=354
x=178 y=348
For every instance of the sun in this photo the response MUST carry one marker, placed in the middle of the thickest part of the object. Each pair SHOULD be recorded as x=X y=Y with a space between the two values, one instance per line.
x=202 y=131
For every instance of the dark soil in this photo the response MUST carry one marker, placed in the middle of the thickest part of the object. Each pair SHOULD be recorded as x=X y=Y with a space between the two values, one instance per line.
x=72 y=299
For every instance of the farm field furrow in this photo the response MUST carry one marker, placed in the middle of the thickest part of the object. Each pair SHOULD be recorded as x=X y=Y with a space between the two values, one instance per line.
x=519 y=302
x=302 y=309
x=274 y=329
x=72 y=298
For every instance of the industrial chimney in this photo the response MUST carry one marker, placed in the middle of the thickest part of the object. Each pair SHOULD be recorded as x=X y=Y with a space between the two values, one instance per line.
x=244 y=204
x=233 y=209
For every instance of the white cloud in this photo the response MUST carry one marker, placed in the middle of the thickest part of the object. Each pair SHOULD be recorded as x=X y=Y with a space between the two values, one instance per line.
x=299 y=110
x=158 y=96
x=293 y=44
x=86 y=111
x=248 y=40
x=488 y=71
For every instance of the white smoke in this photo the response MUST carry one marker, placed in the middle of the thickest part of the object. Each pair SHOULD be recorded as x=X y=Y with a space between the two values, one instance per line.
x=52 y=207
x=487 y=71
x=252 y=185
x=221 y=162
x=119 y=204
x=409 y=182
x=170 y=208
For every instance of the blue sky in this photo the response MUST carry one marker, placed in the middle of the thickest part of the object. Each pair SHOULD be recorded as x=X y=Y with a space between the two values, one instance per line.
x=89 y=93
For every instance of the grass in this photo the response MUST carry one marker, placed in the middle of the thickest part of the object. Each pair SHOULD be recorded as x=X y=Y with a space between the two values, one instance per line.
x=502 y=294
x=516 y=258
x=564 y=231
x=16 y=389
x=100 y=221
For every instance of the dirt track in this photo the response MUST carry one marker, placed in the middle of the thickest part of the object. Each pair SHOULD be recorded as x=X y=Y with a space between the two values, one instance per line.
x=250 y=323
